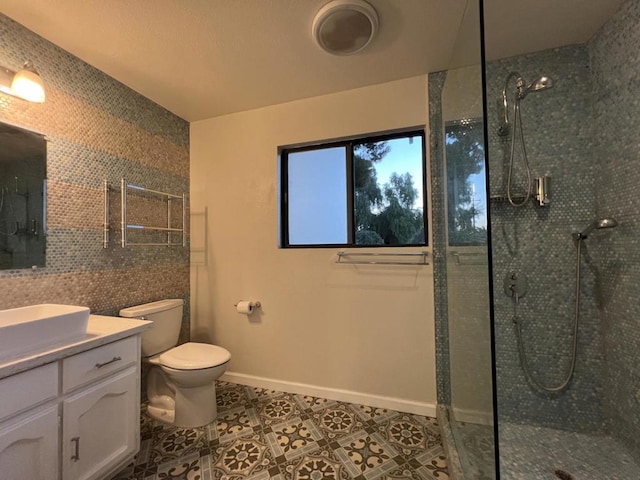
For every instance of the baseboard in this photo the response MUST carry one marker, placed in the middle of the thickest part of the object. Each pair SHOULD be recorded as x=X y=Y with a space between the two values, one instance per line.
x=472 y=416
x=391 y=403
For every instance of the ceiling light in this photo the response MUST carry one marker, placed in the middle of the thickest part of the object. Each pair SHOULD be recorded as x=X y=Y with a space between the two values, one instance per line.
x=345 y=27
x=25 y=83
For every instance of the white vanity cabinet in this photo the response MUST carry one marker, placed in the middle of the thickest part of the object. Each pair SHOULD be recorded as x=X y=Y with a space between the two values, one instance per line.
x=29 y=446
x=29 y=424
x=100 y=427
x=76 y=418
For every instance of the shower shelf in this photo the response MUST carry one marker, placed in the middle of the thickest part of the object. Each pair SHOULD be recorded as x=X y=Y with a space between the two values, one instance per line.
x=500 y=198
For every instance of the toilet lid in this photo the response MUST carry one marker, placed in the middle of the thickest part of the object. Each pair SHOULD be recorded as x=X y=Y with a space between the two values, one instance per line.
x=193 y=356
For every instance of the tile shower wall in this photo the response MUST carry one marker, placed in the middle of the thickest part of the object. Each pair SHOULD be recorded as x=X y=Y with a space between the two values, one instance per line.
x=615 y=61
x=97 y=129
x=436 y=152
x=537 y=242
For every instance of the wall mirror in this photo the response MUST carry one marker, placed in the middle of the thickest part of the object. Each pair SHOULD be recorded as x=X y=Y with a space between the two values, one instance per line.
x=23 y=172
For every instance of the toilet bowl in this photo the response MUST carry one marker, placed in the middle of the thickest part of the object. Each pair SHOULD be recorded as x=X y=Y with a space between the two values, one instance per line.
x=181 y=379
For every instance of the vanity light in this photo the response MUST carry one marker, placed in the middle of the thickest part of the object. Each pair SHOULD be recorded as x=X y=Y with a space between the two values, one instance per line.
x=25 y=83
x=345 y=27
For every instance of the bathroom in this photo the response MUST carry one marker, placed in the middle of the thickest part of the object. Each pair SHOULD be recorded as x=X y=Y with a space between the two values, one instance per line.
x=374 y=335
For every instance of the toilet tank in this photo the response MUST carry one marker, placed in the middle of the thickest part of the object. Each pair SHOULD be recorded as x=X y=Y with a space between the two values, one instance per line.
x=166 y=316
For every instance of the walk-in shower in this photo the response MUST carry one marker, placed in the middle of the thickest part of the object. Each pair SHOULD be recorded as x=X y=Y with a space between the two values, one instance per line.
x=565 y=375
x=522 y=89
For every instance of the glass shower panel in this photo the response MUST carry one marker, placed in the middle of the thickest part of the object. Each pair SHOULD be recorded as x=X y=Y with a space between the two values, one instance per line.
x=467 y=272
x=461 y=240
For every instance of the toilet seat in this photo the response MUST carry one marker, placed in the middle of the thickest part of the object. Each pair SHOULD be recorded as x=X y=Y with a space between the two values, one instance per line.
x=194 y=356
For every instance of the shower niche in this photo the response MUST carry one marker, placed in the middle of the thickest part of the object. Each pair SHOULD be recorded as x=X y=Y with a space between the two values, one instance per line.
x=23 y=168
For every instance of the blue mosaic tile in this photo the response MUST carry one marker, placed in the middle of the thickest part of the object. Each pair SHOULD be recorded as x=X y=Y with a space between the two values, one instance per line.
x=615 y=59
x=537 y=242
x=436 y=136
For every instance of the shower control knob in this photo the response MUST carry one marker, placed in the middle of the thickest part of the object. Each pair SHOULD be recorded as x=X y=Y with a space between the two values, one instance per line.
x=515 y=285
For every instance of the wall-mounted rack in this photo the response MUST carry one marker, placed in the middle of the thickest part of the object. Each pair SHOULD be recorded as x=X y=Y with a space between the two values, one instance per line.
x=352 y=258
x=105 y=224
x=125 y=187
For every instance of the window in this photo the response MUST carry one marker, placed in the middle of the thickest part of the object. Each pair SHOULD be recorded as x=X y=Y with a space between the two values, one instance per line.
x=360 y=192
x=466 y=185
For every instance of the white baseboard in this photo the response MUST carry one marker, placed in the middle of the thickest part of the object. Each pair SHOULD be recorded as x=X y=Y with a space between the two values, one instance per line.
x=391 y=403
x=472 y=416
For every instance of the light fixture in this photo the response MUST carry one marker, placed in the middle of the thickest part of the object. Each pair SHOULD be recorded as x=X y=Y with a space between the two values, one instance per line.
x=345 y=27
x=25 y=83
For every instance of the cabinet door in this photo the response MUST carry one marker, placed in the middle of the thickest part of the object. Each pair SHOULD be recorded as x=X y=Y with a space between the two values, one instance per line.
x=100 y=427
x=29 y=446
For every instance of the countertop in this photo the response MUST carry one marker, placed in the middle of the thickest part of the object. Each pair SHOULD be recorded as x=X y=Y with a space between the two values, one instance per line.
x=100 y=331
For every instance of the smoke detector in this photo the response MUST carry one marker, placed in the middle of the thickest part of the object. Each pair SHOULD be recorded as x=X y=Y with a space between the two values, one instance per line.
x=345 y=27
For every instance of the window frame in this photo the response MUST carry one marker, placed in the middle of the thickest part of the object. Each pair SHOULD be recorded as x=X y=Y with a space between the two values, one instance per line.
x=348 y=143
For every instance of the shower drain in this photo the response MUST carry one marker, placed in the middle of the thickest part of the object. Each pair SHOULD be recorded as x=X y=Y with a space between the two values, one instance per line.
x=564 y=475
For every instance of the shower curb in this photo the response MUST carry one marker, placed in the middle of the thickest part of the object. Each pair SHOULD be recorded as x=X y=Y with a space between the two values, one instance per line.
x=451 y=452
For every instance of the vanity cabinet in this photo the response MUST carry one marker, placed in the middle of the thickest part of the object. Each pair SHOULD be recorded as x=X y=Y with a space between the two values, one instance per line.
x=29 y=446
x=73 y=419
x=98 y=427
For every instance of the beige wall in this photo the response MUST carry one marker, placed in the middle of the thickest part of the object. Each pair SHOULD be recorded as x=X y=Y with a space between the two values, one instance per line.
x=367 y=329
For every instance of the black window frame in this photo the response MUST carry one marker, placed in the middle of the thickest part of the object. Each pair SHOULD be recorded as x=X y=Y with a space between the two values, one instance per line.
x=348 y=143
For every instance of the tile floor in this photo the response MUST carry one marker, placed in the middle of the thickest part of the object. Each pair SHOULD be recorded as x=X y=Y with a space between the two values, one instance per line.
x=475 y=448
x=263 y=434
x=535 y=453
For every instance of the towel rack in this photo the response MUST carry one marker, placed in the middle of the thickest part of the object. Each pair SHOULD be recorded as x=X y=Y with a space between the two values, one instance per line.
x=474 y=258
x=169 y=198
x=105 y=223
x=419 y=258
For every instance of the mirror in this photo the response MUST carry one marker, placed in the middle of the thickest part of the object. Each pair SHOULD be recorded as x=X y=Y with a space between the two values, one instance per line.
x=23 y=171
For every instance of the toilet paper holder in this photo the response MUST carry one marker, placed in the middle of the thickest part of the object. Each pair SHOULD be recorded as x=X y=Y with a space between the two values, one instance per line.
x=255 y=304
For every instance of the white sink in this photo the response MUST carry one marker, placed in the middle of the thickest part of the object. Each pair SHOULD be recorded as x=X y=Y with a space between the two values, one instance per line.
x=29 y=330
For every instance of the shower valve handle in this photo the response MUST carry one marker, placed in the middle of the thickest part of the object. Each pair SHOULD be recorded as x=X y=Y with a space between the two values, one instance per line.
x=515 y=285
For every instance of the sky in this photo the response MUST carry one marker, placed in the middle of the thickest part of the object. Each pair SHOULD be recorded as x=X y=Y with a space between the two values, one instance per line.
x=403 y=157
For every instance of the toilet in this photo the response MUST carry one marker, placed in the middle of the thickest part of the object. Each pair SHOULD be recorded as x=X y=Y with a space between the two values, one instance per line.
x=181 y=380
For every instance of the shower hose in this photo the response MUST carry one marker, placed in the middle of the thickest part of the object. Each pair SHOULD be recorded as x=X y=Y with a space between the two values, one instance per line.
x=523 y=357
x=517 y=127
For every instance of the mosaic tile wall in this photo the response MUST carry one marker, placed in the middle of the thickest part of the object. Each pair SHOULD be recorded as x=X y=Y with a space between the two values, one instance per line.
x=537 y=242
x=97 y=129
x=615 y=61
x=436 y=146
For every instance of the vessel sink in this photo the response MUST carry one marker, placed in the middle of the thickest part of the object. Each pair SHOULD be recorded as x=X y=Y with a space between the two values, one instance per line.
x=28 y=330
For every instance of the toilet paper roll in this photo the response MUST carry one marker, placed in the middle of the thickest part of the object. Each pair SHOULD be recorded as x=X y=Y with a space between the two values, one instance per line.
x=245 y=307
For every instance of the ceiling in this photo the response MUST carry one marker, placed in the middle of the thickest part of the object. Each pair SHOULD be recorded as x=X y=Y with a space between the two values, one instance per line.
x=205 y=58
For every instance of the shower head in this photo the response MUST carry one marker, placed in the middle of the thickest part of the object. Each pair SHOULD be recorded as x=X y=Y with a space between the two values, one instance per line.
x=522 y=90
x=541 y=83
x=597 y=225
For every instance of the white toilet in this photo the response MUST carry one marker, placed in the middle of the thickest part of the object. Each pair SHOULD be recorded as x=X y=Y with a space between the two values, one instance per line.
x=181 y=380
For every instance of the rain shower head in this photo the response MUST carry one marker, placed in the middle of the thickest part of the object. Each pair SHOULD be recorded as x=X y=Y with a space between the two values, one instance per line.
x=597 y=225
x=541 y=83
x=522 y=90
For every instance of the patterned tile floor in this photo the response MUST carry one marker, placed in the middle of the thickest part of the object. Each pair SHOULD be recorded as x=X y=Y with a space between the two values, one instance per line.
x=263 y=434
